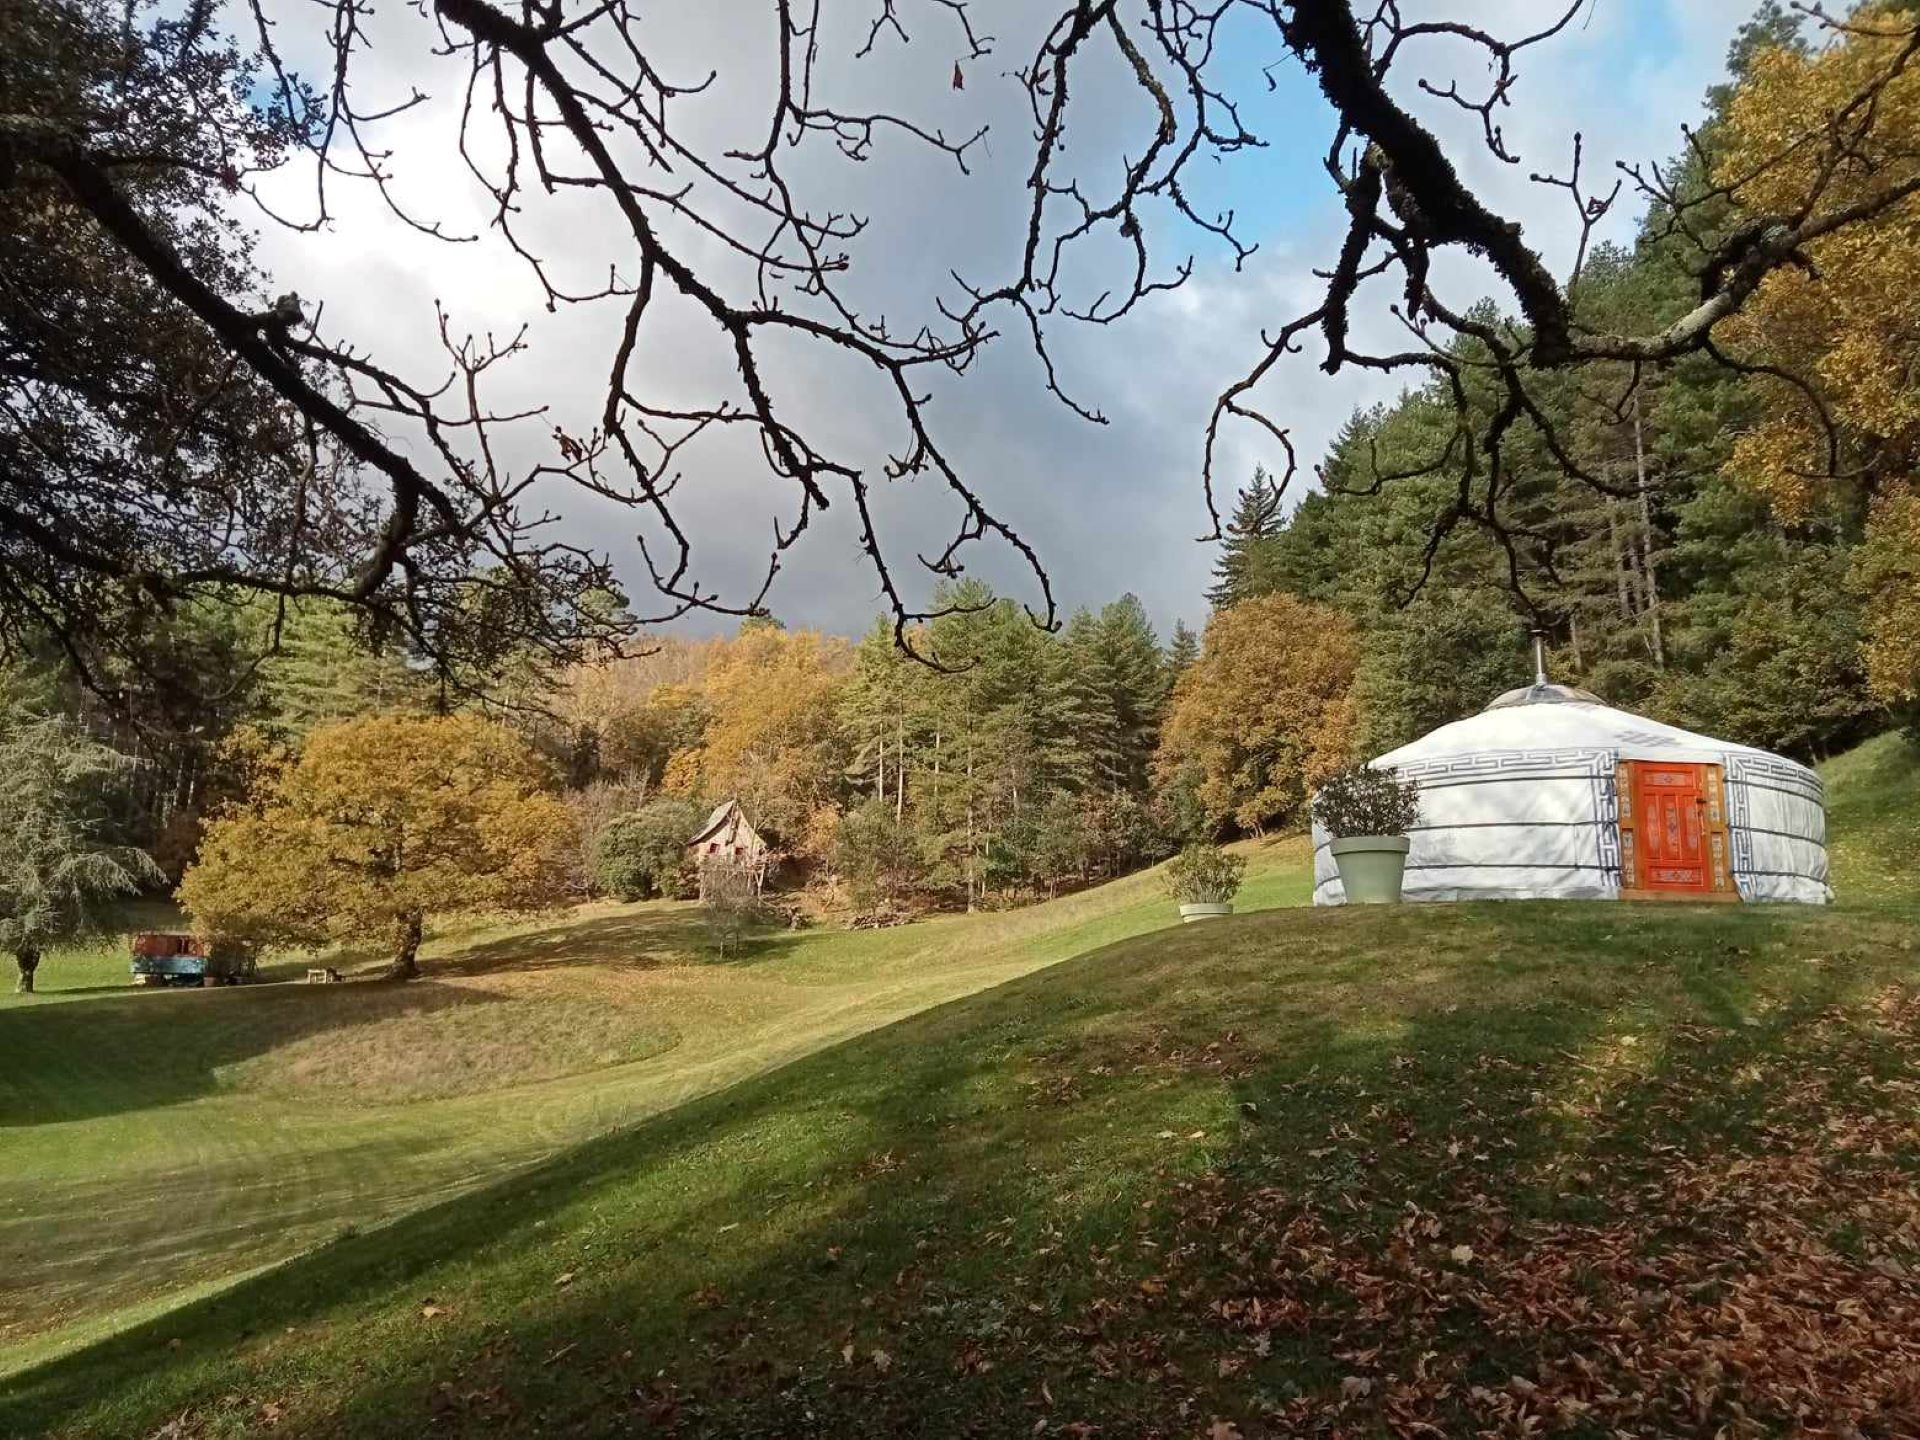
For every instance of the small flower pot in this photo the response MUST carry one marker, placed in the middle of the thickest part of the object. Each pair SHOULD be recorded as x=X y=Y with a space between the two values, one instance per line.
x=1204 y=911
x=1372 y=867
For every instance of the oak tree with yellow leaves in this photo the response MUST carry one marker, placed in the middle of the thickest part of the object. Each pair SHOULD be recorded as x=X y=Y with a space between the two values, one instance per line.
x=376 y=826
x=773 y=740
x=1265 y=712
x=1839 y=332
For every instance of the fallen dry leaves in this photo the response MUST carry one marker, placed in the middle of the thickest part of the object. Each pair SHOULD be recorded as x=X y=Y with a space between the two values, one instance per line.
x=1763 y=1280
x=1743 y=1259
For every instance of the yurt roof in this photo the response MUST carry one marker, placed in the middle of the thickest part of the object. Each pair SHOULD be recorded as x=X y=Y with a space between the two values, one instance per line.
x=1556 y=717
x=1543 y=693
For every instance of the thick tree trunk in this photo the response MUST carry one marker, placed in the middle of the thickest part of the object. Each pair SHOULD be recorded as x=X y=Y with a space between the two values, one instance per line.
x=406 y=962
x=28 y=961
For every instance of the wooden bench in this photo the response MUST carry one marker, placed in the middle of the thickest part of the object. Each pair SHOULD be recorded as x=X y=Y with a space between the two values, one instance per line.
x=323 y=975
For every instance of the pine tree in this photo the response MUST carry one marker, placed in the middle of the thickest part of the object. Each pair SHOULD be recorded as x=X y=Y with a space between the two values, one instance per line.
x=955 y=821
x=1093 y=680
x=1009 y=723
x=1245 y=567
x=1182 y=650
x=876 y=709
x=1131 y=671
x=1440 y=659
x=326 y=670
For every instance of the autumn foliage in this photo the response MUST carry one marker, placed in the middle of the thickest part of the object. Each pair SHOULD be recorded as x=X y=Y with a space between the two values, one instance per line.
x=773 y=741
x=1265 y=712
x=1846 y=322
x=377 y=825
x=1887 y=567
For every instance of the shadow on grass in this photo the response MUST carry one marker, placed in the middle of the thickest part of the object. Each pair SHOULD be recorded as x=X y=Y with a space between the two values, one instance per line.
x=54 y=996
x=644 y=940
x=964 y=1188
x=141 y=1047
x=136 y=1048
x=161 y=1047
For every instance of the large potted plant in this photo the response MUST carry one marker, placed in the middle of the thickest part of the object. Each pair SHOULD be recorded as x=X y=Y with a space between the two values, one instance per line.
x=1367 y=813
x=1204 y=879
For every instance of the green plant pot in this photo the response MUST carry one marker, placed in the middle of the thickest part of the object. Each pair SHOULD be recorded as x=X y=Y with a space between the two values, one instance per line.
x=1204 y=911
x=1372 y=867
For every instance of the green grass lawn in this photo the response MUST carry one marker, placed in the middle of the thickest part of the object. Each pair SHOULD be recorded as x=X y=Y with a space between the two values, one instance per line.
x=1498 y=1168
x=157 y=1144
x=1873 y=821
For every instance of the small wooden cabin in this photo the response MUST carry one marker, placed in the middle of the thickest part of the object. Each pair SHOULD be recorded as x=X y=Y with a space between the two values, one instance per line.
x=728 y=838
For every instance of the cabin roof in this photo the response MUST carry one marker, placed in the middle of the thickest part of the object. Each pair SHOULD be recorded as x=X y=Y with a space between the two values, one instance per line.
x=717 y=821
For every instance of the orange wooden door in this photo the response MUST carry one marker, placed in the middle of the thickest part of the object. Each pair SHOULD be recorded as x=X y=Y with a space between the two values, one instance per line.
x=1675 y=842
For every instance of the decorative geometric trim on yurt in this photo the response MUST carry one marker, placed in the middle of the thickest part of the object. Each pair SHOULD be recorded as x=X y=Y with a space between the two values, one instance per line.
x=1740 y=817
x=1779 y=773
x=1511 y=765
x=1748 y=775
x=1606 y=808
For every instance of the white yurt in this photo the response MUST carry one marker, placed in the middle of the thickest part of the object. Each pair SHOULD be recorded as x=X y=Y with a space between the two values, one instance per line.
x=1549 y=794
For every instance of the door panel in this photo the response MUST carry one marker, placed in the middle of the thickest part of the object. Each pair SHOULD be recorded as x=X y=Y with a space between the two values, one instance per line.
x=1673 y=830
x=1674 y=835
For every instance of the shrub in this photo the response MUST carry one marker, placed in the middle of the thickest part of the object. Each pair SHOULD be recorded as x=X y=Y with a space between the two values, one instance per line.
x=1204 y=874
x=1092 y=837
x=1179 y=813
x=594 y=808
x=643 y=854
x=1060 y=844
x=1361 y=801
x=877 y=856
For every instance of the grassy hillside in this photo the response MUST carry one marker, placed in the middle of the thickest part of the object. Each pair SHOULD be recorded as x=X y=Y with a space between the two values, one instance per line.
x=1268 y=1171
x=156 y=1143
x=1873 y=821
x=1483 y=1168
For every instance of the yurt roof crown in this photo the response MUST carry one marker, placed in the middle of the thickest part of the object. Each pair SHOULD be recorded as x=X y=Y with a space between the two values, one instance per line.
x=1543 y=691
